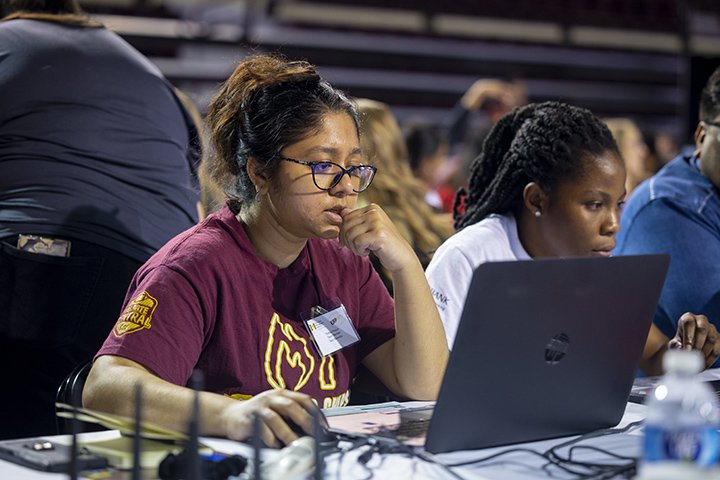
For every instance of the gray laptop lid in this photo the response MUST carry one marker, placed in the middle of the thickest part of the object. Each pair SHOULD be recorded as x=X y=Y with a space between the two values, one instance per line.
x=545 y=348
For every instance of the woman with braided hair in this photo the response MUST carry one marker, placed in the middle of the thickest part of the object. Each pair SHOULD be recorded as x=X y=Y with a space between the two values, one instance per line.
x=550 y=182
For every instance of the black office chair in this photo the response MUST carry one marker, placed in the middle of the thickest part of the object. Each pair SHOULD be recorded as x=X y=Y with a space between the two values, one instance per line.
x=70 y=392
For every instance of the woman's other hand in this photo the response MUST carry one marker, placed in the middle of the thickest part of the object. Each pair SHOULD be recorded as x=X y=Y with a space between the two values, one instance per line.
x=697 y=332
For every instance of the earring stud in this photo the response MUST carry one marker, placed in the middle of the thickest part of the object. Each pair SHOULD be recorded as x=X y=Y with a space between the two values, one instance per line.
x=538 y=214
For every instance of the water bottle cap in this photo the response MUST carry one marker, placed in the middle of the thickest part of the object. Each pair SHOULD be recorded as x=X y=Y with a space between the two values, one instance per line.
x=685 y=361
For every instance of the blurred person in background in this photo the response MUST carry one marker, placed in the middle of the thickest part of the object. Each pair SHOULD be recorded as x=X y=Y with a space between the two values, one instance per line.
x=665 y=147
x=635 y=152
x=97 y=172
x=212 y=197
x=440 y=155
x=397 y=190
x=490 y=98
x=427 y=147
x=677 y=212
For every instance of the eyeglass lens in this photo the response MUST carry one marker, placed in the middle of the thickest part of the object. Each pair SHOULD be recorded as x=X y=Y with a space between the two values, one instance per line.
x=327 y=175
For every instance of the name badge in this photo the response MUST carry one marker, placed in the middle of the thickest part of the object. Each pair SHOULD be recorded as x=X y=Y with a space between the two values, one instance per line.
x=332 y=331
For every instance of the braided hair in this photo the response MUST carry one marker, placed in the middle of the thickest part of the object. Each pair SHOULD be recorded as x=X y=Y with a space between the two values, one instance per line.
x=543 y=143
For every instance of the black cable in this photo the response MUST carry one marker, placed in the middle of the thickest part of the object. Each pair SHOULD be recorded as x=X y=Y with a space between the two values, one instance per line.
x=599 y=450
x=552 y=457
x=497 y=455
x=365 y=457
x=582 y=470
x=597 y=433
x=392 y=446
x=601 y=467
x=431 y=459
x=355 y=443
x=597 y=470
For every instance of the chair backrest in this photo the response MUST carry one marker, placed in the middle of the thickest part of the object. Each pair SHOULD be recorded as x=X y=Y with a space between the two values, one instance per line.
x=70 y=392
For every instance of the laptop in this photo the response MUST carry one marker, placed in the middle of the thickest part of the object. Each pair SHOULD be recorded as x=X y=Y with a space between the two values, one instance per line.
x=544 y=349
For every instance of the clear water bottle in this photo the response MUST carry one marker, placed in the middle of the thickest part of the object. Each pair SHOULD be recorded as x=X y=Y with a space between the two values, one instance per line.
x=681 y=436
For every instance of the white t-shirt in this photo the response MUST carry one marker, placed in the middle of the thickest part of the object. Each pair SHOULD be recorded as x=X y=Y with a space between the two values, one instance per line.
x=493 y=239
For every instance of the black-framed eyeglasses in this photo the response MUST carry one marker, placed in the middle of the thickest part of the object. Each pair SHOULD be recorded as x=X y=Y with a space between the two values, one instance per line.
x=328 y=174
x=712 y=122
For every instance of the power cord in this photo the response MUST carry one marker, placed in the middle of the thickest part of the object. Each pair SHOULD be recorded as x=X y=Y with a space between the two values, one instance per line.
x=383 y=446
x=580 y=469
x=618 y=466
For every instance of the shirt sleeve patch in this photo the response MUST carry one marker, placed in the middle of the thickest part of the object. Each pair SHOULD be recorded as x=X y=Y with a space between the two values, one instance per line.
x=137 y=315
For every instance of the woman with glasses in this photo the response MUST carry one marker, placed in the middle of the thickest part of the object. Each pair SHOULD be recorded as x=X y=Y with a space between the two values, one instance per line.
x=273 y=297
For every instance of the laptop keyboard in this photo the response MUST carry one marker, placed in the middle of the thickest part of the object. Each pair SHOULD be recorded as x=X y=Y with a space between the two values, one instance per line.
x=407 y=429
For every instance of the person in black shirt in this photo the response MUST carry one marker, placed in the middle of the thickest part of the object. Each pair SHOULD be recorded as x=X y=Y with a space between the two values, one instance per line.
x=97 y=171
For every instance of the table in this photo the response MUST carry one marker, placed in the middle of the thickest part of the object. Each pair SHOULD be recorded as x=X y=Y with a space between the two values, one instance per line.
x=520 y=466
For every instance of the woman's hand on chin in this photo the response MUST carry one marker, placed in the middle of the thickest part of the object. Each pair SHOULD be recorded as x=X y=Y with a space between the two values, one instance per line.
x=369 y=229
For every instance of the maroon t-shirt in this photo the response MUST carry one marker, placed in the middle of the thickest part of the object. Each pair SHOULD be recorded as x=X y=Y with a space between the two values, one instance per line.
x=205 y=300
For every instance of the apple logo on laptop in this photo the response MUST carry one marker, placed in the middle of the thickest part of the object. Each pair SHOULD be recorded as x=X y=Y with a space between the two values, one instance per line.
x=556 y=348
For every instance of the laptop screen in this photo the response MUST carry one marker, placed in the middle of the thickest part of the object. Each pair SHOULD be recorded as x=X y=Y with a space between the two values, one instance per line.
x=545 y=348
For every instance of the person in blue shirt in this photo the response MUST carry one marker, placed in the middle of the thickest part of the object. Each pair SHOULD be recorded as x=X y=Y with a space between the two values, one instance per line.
x=677 y=211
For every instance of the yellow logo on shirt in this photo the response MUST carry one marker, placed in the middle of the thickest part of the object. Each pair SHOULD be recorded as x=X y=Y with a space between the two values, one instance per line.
x=285 y=347
x=327 y=373
x=137 y=315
